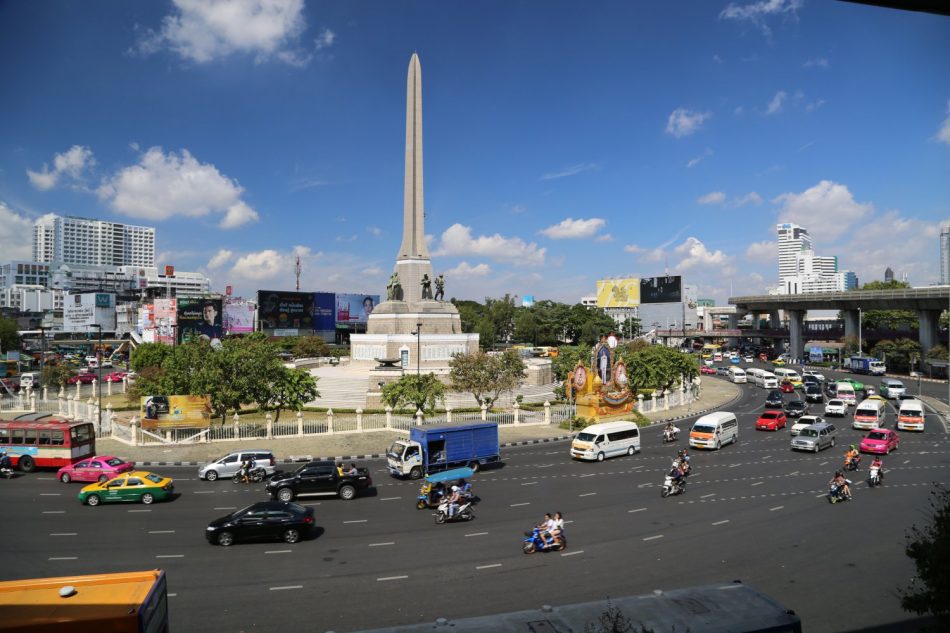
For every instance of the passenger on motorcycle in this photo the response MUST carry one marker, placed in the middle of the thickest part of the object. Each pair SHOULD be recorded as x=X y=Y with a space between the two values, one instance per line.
x=670 y=431
x=879 y=464
x=245 y=470
x=841 y=484
x=558 y=526
x=677 y=473
x=5 y=463
x=465 y=489
x=454 y=500
x=546 y=527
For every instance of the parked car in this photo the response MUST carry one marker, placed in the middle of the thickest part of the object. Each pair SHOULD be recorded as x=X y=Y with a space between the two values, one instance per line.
x=881 y=441
x=803 y=422
x=228 y=465
x=796 y=408
x=786 y=386
x=815 y=437
x=136 y=486
x=813 y=393
x=836 y=407
x=771 y=421
x=100 y=468
x=265 y=520
x=84 y=379
x=774 y=400
x=706 y=369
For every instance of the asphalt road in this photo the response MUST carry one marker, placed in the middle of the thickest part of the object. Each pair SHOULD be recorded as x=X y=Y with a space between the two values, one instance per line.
x=754 y=511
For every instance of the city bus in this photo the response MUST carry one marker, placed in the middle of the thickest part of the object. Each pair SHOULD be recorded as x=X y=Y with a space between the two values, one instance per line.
x=44 y=440
x=97 y=603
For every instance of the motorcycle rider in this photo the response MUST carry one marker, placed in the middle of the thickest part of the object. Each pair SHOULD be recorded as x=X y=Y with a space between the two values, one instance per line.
x=852 y=456
x=454 y=500
x=546 y=527
x=879 y=464
x=841 y=485
x=245 y=470
x=558 y=526
x=670 y=431
x=677 y=474
x=5 y=462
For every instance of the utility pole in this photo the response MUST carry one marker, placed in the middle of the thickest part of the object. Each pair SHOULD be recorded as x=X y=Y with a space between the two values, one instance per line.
x=297 y=272
x=99 y=370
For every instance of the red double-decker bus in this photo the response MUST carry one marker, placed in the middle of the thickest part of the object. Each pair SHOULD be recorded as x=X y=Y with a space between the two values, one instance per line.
x=45 y=440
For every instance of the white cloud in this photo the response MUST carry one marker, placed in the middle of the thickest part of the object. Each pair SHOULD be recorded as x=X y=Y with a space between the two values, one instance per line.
x=758 y=12
x=738 y=111
x=828 y=210
x=943 y=134
x=763 y=252
x=464 y=270
x=749 y=198
x=883 y=241
x=222 y=257
x=573 y=170
x=372 y=271
x=205 y=30
x=518 y=209
x=696 y=255
x=683 y=122
x=268 y=264
x=775 y=105
x=375 y=231
x=605 y=237
x=16 y=235
x=695 y=161
x=73 y=162
x=814 y=105
x=713 y=197
x=633 y=248
x=457 y=240
x=163 y=185
x=574 y=229
x=818 y=62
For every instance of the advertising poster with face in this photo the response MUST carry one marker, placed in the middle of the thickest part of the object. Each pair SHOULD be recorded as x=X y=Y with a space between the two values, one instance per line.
x=200 y=319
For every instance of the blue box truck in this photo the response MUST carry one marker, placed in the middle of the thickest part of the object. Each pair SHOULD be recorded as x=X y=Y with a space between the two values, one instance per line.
x=432 y=449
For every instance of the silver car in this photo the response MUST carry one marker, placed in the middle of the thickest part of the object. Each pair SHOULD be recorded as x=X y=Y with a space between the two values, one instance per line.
x=229 y=465
x=815 y=437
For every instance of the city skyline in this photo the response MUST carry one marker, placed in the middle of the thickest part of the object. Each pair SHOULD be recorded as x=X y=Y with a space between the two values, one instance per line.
x=561 y=147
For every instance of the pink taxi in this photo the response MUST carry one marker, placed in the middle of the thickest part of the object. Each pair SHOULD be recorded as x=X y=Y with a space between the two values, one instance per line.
x=100 y=468
x=880 y=441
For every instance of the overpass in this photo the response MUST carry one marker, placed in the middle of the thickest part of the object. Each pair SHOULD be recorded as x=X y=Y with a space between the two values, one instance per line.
x=928 y=302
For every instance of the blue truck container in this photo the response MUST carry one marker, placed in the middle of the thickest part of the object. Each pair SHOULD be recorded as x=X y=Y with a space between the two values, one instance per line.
x=444 y=447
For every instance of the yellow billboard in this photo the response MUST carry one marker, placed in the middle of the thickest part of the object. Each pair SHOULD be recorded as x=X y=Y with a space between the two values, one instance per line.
x=618 y=293
x=170 y=412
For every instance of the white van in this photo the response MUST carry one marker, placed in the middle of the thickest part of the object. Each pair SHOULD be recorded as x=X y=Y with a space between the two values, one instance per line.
x=768 y=380
x=29 y=380
x=869 y=414
x=714 y=429
x=609 y=439
x=845 y=391
x=783 y=373
x=717 y=357
x=910 y=417
x=737 y=375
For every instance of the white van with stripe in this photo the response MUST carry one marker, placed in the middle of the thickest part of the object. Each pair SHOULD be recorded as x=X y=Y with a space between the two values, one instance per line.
x=869 y=414
x=609 y=439
x=910 y=417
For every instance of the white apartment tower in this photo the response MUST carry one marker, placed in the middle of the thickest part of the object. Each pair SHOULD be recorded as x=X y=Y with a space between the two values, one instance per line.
x=792 y=240
x=945 y=254
x=73 y=240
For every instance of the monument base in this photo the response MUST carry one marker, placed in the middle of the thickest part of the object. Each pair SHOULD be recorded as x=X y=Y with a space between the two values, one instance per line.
x=604 y=407
x=431 y=352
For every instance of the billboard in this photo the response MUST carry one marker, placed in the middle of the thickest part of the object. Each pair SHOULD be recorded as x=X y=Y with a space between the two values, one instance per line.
x=238 y=317
x=354 y=308
x=661 y=289
x=82 y=311
x=527 y=301
x=199 y=319
x=165 y=315
x=618 y=293
x=169 y=412
x=324 y=311
x=277 y=309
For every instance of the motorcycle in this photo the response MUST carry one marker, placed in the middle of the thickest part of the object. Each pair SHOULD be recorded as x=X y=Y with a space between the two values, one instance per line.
x=671 y=435
x=534 y=543
x=852 y=464
x=6 y=468
x=672 y=487
x=836 y=493
x=462 y=513
x=255 y=476
x=874 y=476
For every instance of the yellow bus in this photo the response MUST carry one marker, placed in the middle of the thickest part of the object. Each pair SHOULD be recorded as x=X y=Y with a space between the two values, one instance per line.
x=128 y=602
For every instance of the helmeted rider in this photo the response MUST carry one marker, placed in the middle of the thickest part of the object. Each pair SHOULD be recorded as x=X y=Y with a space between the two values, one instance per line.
x=5 y=461
x=879 y=464
x=454 y=499
x=852 y=456
x=677 y=474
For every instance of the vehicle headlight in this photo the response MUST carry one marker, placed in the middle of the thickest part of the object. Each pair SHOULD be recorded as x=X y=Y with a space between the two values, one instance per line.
x=209 y=528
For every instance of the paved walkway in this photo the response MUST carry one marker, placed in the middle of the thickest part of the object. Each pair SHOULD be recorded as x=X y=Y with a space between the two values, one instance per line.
x=716 y=393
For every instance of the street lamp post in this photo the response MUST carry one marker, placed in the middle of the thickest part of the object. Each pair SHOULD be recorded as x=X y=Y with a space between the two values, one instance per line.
x=99 y=370
x=860 y=347
x=42 y=354
x=418 y=335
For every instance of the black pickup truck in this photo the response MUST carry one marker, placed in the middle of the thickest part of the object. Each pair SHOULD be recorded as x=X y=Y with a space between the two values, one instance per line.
x=317 y=478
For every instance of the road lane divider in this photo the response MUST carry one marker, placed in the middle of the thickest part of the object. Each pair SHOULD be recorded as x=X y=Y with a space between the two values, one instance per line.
x=382 y=544
x=530 y=483
x=390 y=498
x=711 y=494
x=587 y=494
x=493 y=565
x=388 y=578
x=523 y=503
x=278 y=551
x=64 y=533
x=51 y=494
x=653 y=538
x=477 y=534
x=161 y=531
x=776 y=508
x=54 y=512
x=170 y=556
x=723 y=522
x=139 y=510
x=580 y=551
x=226 y=508
x=357 y=521
x=758 y=483
x=635 y=510
x=63 y=558
x=286 y=588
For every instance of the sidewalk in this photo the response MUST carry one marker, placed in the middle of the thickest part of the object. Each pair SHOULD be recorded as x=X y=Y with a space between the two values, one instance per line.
x=941 y=408
x=715 y=394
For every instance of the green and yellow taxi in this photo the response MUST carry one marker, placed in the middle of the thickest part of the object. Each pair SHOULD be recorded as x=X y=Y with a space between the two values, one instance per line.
x=137 y=486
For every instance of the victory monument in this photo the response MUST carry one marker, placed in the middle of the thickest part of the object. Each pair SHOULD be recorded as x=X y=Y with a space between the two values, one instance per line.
x=415 y=327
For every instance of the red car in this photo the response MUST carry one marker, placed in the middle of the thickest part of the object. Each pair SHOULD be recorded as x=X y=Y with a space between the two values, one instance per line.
x=100 y=468
x=705 y=369
x=787 y=387
x=115 y=376
x=771 y=421
x=881 y=441
x=83 y=378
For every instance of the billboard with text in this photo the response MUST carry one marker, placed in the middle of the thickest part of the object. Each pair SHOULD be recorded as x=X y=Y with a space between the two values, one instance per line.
x=618 y=293
x=324 y=311
x=83 y=311
x=199 y=319
x=354 y=308
x=661 y=289
x=238 y=317
x=278 y=309
x=165 y=315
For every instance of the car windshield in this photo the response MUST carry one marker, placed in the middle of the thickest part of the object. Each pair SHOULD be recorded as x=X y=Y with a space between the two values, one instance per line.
x=877 y=435
x=115 y=461
x=770 y=414
x=796 y=404
x=153 y=478
x=809 y=433
x=586 y=437
x=702 y=428
x=806 y=421
x=775 y=394
x=835 y=403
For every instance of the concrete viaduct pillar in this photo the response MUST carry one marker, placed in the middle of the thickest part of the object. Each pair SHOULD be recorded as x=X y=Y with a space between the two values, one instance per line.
x=795 y=342
x=733 y=320
x=927 y=335
x=851 y=323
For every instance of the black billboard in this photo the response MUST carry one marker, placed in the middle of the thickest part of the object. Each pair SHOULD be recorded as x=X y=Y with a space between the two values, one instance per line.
x=661 y=289
x=278 y=309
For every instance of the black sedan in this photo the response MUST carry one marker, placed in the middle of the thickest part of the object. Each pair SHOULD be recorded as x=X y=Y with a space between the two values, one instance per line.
x=796 y=408
x=774 y=400
x=267 y=520
x=813 y=393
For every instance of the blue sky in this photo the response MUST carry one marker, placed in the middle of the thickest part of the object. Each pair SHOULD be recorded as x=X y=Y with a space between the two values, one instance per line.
x=563 y=141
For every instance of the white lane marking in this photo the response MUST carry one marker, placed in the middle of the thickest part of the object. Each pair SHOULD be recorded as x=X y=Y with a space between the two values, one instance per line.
x=203 y=492
x=63 y=558
x=54 y=512
x=161 y=531
x=63 y=533
x=587 y=494
x=488 y=566
x=636 y=510
x=278 y=551
x=721 y=522
x=477 y=534
x=357 y=521
x=515 y=505
x=382 y=544
x=50 y=494
x=906 y=461
x=287 y=587
x=530 y=483
x=822 y=463
x=820 y=496
x=776 y=508
x=711 y=494
x=580 y=551
x=385 y=578
x=650 y=538
x=227 y=508
x=643 y=485
x=311 y=503
x=791 y=474
x=587 y=475
x=390 y=498
x=170 y=556
x=758 y=483
x=46 y=478
x=172 y=595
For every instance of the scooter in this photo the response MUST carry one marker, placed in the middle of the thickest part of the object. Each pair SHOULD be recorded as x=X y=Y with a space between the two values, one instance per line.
x=255 y=476
x=852 y=464
x=671 y=487
x=534 y=543
x=836 y=494
x=462 y=513
x=671 y=435
x=6 y=468
x=874 y=476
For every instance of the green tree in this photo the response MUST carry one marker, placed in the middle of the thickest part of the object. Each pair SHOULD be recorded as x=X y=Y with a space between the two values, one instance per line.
x=149 y=355
x=469 y=312
x=850 y=348
x=567 y=358
x=501 y=313
x=897 y=354
x=487 y=376
x=887 y=319
x=659 y=367
x=291 y=389
x=421 y=393
x=9 y=335
x=526 y=326
x=56 y=375
x=311 y=347
x=929 y=548
x=487 y=334
x=937 y=352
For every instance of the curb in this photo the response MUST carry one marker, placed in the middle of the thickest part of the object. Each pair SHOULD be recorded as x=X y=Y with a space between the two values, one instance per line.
x=699 y=412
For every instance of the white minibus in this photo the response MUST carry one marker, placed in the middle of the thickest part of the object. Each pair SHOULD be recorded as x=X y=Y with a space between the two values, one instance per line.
x=845 y=391
x=737 y=375
x=910 y=417
x=869 y=414
x=714 y=429
x=609 y=439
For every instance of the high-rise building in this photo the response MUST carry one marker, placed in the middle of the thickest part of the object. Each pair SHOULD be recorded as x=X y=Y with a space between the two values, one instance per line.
x=810 y=265
x=792 y=240
x=888 y=275
x=73 y=240
x=945 y=254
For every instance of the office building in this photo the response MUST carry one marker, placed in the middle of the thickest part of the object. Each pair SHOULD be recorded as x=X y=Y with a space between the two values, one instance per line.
x=802 y=271
x=888 y=275
x=128 y=279
x=792 y=240
x=86 y=242
x=945 y=254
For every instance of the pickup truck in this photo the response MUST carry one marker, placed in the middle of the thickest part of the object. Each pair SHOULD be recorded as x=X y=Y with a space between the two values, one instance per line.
x=317 y=478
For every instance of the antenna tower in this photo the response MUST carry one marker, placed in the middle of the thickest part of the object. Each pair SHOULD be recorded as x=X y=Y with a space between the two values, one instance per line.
x=297 y=272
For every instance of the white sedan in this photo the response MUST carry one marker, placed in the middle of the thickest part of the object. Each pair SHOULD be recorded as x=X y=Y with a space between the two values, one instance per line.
x=820 y=377
x=836 y=407
x=802 y=422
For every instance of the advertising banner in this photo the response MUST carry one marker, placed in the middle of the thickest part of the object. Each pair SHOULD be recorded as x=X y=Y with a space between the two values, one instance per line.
x=661 y=289
x=169 y=412
x=81 y=311
x=238 y=317
x=354 y=308
x=324 y=307
x=277 y=309
x=166 y=317
x=618 y=293
x=199 y=318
